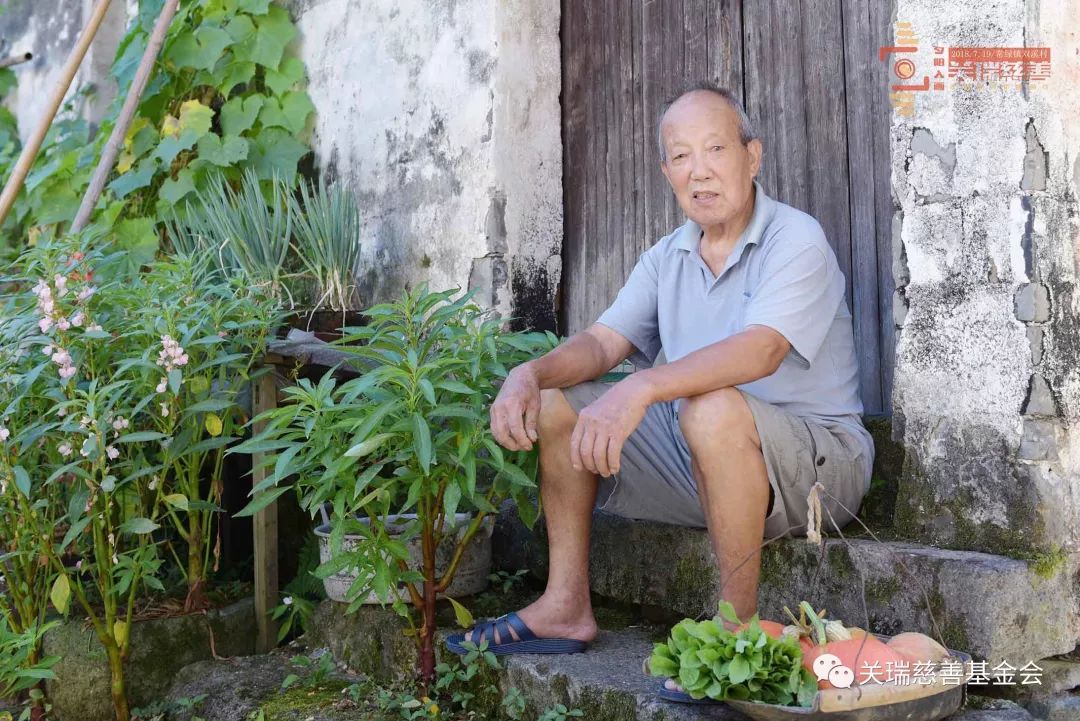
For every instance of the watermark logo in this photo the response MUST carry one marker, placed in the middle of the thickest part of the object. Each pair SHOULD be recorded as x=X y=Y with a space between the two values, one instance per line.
x=828 y=667
x=965 y=68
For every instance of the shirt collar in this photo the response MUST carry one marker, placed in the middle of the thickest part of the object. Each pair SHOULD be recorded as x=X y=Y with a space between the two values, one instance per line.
x=689 y=235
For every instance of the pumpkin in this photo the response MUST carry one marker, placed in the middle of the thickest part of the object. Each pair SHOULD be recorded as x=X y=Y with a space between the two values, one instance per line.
x=867 y=657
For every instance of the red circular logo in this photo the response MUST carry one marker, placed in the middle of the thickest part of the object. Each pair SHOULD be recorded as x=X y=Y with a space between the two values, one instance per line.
x=904 y=69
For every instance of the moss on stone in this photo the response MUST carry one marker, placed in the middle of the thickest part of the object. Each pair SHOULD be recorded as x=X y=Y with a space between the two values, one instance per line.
x=1047 y=564
x=299 y=703
x=690 y=586
x=882 y=591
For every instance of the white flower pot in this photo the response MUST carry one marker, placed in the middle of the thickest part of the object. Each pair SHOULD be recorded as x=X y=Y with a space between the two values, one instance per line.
x=472 y=572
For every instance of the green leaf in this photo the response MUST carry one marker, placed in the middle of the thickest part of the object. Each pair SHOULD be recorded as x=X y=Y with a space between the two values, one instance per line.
x=22 y=480
x=422 y=441
x=455 y=387
x=289 y=74
x=240 y=27
x=451 y=499
x=727 y=612
x=274 y=31
x=200 y=49
x=278 y=151
x=461 y=614
x=176 y=377
x=291 y=112
x=739 y=671
x=173 y=191
x=262 y=501
x=177 y=500
x=60 y=594
x=138 y=238
x=366 y=447
x=239 y=114
x=223 y=152
x=135 y=179
x=140 y=437
x=233 y=74
x=255 y=7
x=138 y=526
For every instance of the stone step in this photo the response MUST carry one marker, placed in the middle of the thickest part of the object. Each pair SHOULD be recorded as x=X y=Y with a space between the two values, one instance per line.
x=607 y=682
x=993 y=607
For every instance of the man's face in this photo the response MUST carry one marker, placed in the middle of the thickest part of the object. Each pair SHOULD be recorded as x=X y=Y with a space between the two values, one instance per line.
x=707 y=165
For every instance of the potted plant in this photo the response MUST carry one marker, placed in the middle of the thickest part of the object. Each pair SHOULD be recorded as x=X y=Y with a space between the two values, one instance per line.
x=408 y=435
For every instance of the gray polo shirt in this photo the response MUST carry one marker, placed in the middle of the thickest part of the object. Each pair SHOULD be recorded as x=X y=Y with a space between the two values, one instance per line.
x=783 y=274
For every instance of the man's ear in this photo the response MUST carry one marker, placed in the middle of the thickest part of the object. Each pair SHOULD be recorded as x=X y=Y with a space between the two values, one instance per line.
x=755 y=149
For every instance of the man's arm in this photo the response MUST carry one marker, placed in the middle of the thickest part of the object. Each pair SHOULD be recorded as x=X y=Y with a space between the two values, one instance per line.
x=745 y=357
x=604 y=425
x=582 y=357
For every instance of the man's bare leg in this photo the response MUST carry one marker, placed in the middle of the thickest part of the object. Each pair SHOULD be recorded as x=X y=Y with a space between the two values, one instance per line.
x=564 y=610
x=734 y=489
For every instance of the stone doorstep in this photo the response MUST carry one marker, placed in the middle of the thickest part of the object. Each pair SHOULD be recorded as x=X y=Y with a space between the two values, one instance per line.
x=992 y=607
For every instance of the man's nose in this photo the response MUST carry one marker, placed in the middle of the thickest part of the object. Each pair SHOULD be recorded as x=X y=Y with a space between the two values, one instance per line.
x=699 y=168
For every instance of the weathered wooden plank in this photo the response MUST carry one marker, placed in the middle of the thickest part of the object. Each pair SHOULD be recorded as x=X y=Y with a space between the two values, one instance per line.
x=776 y=96
x=826 y=127
x=860 y=56
x=725 y=45
x=265 y=533
x=575 y=186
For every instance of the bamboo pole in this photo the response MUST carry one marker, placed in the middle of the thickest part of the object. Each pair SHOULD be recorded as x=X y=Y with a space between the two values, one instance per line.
x=127 y=113
x=30 y=150
x=16 y=59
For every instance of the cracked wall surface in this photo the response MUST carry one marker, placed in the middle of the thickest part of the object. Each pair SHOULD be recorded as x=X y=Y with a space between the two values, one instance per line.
x=444 y=118
x=986 y=243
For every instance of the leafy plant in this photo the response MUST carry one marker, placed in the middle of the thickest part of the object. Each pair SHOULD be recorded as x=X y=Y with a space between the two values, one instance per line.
x=224 y=97
x=409 y=434
x=707 y=660
x=122 y=391
x=328 y=235
x=245 y=232
x=558 y=712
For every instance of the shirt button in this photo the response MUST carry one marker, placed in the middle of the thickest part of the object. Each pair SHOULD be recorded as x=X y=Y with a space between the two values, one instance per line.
x=821 y=461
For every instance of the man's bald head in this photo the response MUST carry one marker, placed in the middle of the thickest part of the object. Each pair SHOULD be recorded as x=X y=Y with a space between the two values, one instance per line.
x=746 y=129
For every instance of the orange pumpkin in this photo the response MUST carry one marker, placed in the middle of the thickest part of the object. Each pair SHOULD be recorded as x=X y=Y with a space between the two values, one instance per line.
x=859 y=655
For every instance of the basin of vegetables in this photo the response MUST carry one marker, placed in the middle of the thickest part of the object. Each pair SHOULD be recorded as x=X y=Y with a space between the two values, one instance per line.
x=809 y=668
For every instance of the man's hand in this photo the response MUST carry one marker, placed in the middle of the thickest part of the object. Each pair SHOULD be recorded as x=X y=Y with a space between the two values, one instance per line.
x=604 y=425
x=515 y=410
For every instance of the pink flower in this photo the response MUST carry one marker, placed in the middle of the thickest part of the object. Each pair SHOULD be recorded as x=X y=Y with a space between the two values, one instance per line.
x=164 y=410
x=163 y=385
x=47 y=350
x=44 y=324
x=63 y=324
x=67 y=371
x=65 y=449
x=94 y=327
x=61 y=285
x=61 y=357
x=153 y=483
x=172 y=354
x=120 y=423
x=4 y=434
x=78 y=319
x=112 y=453
x=86 y=292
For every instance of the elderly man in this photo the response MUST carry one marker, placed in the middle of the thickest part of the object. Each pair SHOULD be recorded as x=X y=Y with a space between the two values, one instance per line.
x=758 y=400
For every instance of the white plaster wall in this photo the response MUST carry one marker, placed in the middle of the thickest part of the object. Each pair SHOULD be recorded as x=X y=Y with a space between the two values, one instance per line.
x=444 y=118
x=968 y=233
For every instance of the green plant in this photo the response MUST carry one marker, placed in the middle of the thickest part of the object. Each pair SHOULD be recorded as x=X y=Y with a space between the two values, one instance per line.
x=506 y=581
x=410 y=433
x=558 y=712
x=710 y=661
x=328 y=235
x=245 y=232
x=313 y=672
x=300 y=595
x=224 y=96
x=116 y=402
x=162 y=710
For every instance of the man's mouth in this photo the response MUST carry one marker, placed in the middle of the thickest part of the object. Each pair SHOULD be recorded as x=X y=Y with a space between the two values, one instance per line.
x=703 y=195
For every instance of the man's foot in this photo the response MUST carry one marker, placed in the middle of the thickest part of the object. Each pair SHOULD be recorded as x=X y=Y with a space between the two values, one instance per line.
x=550 y=617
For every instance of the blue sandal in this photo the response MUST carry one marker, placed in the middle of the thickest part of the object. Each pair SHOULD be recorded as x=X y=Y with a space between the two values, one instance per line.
x=667 y=694
x=527 y=641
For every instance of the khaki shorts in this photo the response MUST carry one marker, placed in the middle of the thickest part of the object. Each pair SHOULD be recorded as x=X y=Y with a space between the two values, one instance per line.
x=656 y=481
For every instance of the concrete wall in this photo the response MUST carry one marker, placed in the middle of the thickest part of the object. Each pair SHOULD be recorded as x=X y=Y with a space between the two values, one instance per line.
x=987 y=391
x=443 y=116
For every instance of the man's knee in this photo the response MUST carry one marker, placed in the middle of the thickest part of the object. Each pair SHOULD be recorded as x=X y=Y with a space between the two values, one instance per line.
x=718 y=419
x=557 y=416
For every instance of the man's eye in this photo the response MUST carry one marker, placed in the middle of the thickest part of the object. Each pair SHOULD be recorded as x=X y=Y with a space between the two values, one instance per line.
x=680 y=156
x=717 y=147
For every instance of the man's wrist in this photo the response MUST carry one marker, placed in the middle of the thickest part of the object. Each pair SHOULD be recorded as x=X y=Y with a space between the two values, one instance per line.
x=644 y=384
